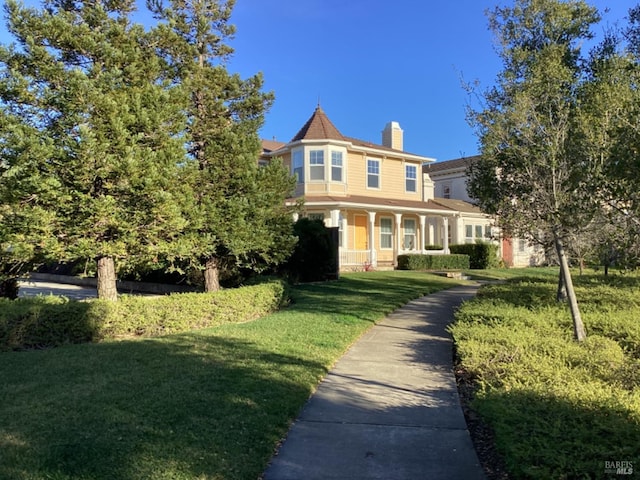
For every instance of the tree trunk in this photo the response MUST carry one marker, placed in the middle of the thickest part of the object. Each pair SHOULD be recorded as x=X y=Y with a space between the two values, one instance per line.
x=561 y=295
x=578 y=327
x=211 y=275
x=107 y=279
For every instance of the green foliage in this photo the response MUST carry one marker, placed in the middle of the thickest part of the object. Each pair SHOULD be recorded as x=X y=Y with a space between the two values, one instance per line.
x=433 y=262
x=52 y=321
x=237 y=213
x=314 y=258
x=212 y=403
x=559 y=408
x=90 y=134
x=481 y=255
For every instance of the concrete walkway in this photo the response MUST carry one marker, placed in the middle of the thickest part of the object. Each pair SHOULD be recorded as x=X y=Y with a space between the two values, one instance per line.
x=390 y=408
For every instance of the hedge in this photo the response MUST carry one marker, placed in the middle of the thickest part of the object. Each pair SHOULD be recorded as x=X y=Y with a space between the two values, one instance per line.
x=432 y=262
x=481 y=255
x=48 y=321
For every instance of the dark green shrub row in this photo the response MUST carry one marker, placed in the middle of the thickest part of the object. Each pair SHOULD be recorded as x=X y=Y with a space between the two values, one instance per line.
x=41 y=322
x=481 y=255
x=432 y=262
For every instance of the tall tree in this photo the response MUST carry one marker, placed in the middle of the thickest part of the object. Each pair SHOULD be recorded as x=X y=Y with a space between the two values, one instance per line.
x=528 y=174
x=93 y=132
x=237 y=213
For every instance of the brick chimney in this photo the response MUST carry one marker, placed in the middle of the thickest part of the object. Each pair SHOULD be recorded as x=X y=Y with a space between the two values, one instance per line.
x=392 y=136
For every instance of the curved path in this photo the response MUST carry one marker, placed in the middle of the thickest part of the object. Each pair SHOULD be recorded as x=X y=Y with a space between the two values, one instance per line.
x=389 y=409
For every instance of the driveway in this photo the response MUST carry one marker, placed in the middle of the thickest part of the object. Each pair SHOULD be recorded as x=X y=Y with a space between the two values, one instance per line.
x=32 y=288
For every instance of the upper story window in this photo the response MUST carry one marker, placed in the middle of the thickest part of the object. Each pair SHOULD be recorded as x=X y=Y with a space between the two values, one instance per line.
x=411 y=178
x=298 y=165
x=373 y=173
x=336 y=166
x=316 y=165
x=446 y=191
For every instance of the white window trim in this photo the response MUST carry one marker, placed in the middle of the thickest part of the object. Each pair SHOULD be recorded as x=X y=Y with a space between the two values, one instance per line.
x=379 y=187
x=406 y=178
x=390 y=234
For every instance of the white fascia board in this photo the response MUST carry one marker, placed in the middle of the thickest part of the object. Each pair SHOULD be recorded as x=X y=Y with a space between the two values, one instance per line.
x=396 y=153
x=374 y=207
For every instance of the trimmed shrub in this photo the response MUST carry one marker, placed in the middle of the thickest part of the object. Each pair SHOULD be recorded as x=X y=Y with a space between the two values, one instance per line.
x=481 y=255
x=433 y=262
x=41 y=322
x=315 y=256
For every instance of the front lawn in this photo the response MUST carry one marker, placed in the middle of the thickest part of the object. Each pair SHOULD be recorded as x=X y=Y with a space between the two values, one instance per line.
x=207 y=404
x=558 y=408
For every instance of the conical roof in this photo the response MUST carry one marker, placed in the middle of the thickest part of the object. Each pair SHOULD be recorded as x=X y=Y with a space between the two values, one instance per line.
x=318 y=127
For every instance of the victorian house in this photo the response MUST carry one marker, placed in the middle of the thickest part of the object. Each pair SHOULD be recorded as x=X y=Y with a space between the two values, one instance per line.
x=380 y=197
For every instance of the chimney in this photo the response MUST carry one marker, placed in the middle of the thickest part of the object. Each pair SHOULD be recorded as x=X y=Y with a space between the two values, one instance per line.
x=392 y=136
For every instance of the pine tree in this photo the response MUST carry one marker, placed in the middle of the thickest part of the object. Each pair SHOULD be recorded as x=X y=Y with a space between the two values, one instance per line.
x=94 y=134
x=237 y=213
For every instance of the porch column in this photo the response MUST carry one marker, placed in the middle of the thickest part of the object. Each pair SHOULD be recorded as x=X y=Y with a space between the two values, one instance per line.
x=295 y=217
x=423 y=221
x=398 y=243
x=372 y=249
x=432 y=231
x=335 y=218
x=445 y=234
x=345 y=235
x=458 y=234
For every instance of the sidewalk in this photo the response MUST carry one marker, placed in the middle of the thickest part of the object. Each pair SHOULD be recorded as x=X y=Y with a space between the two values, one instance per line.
x=389 y=409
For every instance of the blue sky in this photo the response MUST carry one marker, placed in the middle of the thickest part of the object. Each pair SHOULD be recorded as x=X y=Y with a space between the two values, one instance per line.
x=369 y=62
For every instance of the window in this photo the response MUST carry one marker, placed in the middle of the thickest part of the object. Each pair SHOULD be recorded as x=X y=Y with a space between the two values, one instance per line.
x=373 y=173
x=316 y=216
x=468 y=231
x=487 y=232
x=386 y=233
x=298 y=166
x=336 y=166
x=522 y=245
x=479 y=231
x=446 y=191
x=409 y=234
x=316 y=162
x=411 y=174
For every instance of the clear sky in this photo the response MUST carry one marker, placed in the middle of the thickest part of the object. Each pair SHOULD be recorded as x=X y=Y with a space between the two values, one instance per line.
x=369 y=62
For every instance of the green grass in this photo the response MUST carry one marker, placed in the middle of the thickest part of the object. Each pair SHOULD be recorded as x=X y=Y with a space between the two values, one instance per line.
x=208 y=404
x=558 y=408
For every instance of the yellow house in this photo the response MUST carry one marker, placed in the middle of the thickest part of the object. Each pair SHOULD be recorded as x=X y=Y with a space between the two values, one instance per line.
x=377 y=195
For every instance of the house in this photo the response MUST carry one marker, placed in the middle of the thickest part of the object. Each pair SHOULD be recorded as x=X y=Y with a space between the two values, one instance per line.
x=450 y=181
x=378 y=195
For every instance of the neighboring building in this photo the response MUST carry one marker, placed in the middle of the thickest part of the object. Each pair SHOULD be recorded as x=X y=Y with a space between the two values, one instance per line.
x=450 y=181
x=378 y=195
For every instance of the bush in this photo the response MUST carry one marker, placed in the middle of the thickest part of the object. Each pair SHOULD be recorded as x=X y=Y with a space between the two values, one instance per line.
x=481 y=255
x=315 y=255
x=41 y=322
x=432 y=262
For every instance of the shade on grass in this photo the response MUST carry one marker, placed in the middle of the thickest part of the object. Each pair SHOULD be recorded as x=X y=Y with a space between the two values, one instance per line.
x=208 y=404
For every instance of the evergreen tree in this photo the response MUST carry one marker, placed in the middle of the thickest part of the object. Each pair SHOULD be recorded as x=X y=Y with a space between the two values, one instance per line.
x=237 y=213
x=89 y=135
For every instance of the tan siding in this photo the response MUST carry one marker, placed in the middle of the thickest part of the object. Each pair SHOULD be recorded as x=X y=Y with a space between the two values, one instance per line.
x=392 y=178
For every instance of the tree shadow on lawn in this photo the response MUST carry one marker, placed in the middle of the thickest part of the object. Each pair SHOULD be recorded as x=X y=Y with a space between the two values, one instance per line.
x=541 y=436
x=187 y=406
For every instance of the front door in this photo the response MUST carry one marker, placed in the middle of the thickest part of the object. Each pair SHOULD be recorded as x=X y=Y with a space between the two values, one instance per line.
x=361 y=237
